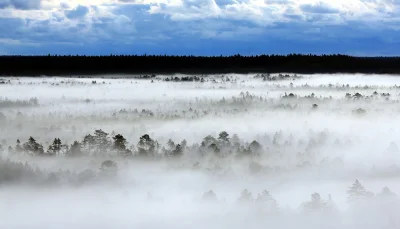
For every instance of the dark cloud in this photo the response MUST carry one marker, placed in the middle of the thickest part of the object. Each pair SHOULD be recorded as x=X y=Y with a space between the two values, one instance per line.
x=79 y=12
x=21 y=4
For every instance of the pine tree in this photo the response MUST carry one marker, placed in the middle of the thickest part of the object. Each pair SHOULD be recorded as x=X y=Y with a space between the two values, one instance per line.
x=102 y=142
x=89 y=144
x=255 y=148
x=209 y=196
x=147 y=146
x=32 y=147
x=119 y=145
x=245 y=196
x=266 y=198
x=171 y=144
x=18 y=147
x=316 y=203
x=75 y=150
x=184 y=144
x=356 y=192
x=386 y=192
x=224 y=137
x=119 y=142
x=178 y=151
x=55 y=148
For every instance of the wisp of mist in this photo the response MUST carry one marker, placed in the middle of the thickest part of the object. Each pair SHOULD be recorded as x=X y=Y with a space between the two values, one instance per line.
x=211 y=151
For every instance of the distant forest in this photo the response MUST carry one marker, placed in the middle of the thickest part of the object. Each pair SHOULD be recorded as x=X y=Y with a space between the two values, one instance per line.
x=53 y=65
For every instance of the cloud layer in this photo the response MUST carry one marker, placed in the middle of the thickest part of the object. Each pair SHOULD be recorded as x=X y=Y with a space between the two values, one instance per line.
x=150 y=23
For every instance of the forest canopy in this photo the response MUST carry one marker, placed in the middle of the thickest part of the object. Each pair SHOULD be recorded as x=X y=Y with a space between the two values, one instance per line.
x=54 y=65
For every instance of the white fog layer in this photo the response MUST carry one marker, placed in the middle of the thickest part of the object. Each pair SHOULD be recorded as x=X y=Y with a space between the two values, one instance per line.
x=207 y=151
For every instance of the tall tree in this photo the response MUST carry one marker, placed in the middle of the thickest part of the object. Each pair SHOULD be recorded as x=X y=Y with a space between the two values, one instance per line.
x=356 y=192
x=178 y=151
x=266 y=198
x=75 y=150
x=119 y=145
x=147 y=146
x=32 y=147
x=255 y=148
x=101 y=141
x=316 y=203
x=171 y=145
x=89 y=144
x=18 y=147
x=245 y=196
x=55 y=147
x=223 y=137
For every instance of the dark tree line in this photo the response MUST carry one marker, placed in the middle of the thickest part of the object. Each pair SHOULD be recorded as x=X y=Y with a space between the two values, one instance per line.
x=150 y=64
x=101 y=144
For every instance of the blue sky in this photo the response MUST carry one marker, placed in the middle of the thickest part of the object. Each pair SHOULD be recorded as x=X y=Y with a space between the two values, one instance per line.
x=200 y=27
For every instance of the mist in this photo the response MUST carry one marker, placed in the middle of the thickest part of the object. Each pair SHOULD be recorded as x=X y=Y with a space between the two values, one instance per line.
x=215 y=151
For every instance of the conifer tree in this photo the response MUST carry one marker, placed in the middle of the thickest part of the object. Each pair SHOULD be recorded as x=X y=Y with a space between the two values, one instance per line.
x=356 y=192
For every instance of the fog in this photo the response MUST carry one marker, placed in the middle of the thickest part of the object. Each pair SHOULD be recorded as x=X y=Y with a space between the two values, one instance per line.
x=213 y=151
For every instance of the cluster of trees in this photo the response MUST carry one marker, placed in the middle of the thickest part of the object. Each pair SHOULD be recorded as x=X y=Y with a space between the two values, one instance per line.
x=356 y=193
x=7 y=103
x=22 y=173
x=12 y=172
x=280 y=76
x=100 y=143
x=146 y=64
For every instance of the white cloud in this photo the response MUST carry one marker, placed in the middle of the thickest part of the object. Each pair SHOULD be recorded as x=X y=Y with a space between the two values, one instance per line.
x=263 y=12
x=107 y=19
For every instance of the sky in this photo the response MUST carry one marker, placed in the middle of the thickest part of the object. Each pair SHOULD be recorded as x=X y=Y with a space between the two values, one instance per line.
x=199 y=27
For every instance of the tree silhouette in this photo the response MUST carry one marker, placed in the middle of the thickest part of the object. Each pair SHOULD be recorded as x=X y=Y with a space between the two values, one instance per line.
x=386 y=192
x=32 y=147
x=18 y=147
x=75 y=149
x=178 y=151
x=147 y=146
x=171 y=144
x=356 y=192
x=245 y=196
x=89 y=144
x=255 y=148
x=316 y=203
x=209 y=196
x=101 y=141
x=223 y=137
x=119 y=145
x=55 y=147
x=266 y=198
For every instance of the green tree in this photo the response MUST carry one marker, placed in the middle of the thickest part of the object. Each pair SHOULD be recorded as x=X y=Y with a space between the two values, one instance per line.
x=75 y=150
x=223 y=137
x=356 y=192
x=178 y=151
x=89 y=144
x=266 y=198
x=316 y=203
x=18 y=147
x=55 y=147
x=102 y=141
x=119 y=142
x=386 y=192
x=147 y=146
x=171 y=144
x=207 y=141
x=209 y=196
x=245 y=196
x=119 y=145
x=255 y=148
x=32 y=147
